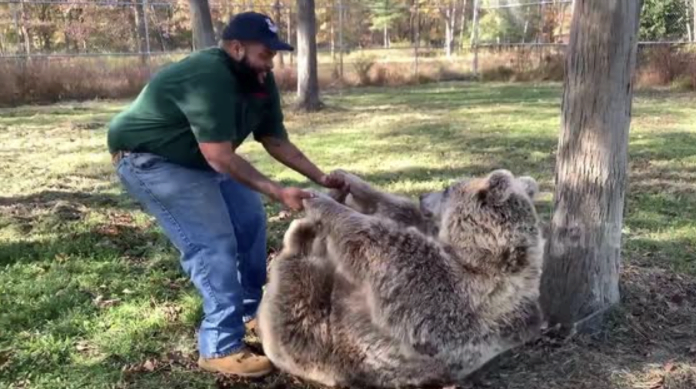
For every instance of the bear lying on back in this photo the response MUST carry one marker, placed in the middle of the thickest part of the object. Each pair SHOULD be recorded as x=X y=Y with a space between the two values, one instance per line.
x=382 y=292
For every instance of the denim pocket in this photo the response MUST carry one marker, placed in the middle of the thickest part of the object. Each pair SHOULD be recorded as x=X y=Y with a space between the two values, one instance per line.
x=145 y=161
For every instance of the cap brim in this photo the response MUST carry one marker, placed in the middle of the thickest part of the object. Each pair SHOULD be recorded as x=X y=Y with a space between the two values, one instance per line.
x=278 y=45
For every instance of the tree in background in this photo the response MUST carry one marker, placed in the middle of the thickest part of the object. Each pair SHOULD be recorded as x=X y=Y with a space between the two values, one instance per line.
x=581 y=275
x=202 y=24
x=80 y=27
x=307 y=73
x=384 y=15
x=664 y=20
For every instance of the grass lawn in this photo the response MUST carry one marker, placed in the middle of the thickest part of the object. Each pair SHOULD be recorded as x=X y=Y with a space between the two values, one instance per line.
x=92 y=296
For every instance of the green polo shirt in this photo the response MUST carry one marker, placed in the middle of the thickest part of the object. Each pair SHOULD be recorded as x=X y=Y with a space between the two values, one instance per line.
x=198 y=99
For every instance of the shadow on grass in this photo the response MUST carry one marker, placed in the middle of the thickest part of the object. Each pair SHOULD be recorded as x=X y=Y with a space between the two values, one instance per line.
x=449 y=96
x=102 y=241
x=664 y=146
x=30 y=111
x=48 y=198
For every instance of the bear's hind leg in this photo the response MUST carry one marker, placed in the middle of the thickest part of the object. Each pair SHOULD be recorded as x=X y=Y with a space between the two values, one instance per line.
x=294 y=313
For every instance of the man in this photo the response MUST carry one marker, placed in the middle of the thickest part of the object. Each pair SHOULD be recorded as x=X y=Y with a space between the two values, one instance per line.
x=174 y=151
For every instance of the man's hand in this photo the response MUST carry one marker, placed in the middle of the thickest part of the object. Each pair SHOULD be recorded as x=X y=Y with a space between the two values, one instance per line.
x=334 y=180
x=221 y=158
x=293 y=198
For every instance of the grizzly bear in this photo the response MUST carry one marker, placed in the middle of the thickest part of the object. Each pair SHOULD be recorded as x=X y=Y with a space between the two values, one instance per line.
x=383 y=292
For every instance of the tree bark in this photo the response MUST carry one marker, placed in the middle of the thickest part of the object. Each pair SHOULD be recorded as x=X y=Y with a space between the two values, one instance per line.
x=307 y=77
x=142 y=30
x=416 y=40
x=202 y=24
x=449 y=16
x=583 y=251
x=289 y=19
x=26 y=34
x=277 y=11
x=462 y=25
x=332 y=31
x=693 y=25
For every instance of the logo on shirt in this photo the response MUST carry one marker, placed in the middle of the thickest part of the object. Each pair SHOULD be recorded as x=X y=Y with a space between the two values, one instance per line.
x=272 y=26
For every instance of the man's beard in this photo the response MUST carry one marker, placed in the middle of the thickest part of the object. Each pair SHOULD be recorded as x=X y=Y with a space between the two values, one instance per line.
x=247 y=76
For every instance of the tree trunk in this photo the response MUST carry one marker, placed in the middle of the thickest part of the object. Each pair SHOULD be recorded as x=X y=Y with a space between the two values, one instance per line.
x=562 y=25
x=450 y=20
x=289 y=19
x=416 y=40
x=277 y=8
x=332 y=32
x=25 y=30
x=307 y=77
x=67 y=21
x=46 y=33
x=693 y=24
x=462 y=25
x=448 y=14
x=202 y=24
x=583 y=252
x=142 y=31
x=411 y=22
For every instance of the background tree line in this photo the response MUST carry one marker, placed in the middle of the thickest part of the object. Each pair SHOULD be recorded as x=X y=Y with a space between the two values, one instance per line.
x=29 y=27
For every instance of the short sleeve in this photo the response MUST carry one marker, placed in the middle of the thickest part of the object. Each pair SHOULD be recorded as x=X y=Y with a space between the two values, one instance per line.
x=272 y=124
x=209 y=101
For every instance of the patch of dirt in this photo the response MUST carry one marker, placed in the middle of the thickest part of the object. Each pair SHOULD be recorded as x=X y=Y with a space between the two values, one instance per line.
x=164 y=362
x=87 y=125
x=122 y=233
x=645 y=343
x=28 y=216
x=66 y=210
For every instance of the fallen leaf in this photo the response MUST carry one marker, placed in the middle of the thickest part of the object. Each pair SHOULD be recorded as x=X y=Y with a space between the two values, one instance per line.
x=82 y=346
x=149 y=365
x=109 y=303
x=658 y=383
x=101 y=303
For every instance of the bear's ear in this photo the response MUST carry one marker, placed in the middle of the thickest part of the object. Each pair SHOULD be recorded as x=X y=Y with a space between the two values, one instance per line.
x=531 y=187
x=498 y=187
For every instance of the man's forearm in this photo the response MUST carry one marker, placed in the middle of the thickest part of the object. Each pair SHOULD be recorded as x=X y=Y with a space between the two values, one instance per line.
x=288 y=154
x=245 y=173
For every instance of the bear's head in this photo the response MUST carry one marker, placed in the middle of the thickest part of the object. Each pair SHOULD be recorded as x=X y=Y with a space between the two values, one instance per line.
x=493 y=215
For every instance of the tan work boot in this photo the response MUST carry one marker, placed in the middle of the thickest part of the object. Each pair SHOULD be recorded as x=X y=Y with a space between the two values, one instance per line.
x=244 y=364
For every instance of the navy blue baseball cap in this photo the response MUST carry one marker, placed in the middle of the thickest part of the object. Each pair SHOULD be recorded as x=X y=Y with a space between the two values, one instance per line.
x=254 y=26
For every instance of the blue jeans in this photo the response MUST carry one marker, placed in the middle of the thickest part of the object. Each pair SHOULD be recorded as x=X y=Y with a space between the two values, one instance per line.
x=219 y=227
